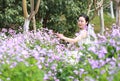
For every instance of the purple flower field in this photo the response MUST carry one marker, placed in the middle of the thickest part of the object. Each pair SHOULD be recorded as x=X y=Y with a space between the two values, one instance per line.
x=41 y=56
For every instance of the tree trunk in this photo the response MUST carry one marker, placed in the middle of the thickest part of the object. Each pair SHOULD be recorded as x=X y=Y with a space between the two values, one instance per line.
x=34 y=24
x=26 y=25
x=117 y=2
x=89 y=7
x=32 y=14
x=118 y=14
x=101 y=21
x=24 y=5
x=111 y=9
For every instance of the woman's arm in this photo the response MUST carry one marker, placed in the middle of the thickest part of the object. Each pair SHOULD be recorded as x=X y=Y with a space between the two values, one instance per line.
x=73 y=40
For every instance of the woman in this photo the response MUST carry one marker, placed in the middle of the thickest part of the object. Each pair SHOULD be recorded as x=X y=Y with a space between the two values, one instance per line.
x=83 y=36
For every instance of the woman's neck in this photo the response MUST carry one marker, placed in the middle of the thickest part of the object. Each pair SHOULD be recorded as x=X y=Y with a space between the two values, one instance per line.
x=85 y=28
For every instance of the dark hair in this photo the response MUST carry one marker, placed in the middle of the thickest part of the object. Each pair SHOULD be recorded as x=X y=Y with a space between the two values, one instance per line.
x=86 y=18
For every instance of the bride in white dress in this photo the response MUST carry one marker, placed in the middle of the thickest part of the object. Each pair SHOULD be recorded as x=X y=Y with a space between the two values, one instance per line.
x=83 y=37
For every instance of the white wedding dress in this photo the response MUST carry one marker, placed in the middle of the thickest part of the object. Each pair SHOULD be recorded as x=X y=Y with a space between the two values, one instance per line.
x=91 y=36
x=73 y=57
x=85 y=40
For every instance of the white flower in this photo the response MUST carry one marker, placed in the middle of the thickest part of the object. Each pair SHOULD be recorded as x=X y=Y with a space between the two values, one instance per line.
x=72 y=57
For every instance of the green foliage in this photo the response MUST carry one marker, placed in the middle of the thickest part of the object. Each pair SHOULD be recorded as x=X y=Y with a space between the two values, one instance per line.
x=61 y=15
x=111 y=51
x=11 y=14
x=116 y=76
x=64 y=73
x=108 y=21
x=22 y=71
x=91 y=68
x=103 y=77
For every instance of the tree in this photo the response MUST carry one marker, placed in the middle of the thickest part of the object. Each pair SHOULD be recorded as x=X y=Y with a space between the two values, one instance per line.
x=101 y=17
x=10 y=14
x=61 y=15
x=98 y=7
x=111 y=9
x=32 y=14
x=117 y=2
x=102 y=29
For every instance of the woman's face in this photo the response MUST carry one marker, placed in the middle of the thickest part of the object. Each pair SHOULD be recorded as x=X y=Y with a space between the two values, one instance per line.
x=82 y=23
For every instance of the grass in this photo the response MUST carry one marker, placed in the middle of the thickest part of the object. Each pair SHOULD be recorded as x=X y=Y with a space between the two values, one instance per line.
x=108 y=21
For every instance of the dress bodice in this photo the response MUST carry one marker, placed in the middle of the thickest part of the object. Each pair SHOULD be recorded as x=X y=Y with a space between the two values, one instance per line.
x=84 y=40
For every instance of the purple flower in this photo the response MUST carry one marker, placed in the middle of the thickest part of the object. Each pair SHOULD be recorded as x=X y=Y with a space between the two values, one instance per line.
x=112 y=42
x=102 y=63
x=4 y=30
x=112 y=63
x=115 y=32
x=76 y=80
x=102 y=72
x=76 y=72
x=101 y=53
x=102 y=38
x=92 y=48
x=108 y=60
x=40 y=66
x=57 y=80
x=119 y=65
x=46 y=77
x=94 y=63
x=81 y=71
x=117 y=48
x=13 y=65
x=53 y=67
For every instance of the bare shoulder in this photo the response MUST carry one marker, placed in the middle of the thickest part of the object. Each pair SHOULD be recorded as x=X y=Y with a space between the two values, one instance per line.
x=83 y=33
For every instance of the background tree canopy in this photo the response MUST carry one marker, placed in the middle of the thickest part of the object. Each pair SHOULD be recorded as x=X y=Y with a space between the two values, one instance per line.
x=11 y=13
x=59 y=15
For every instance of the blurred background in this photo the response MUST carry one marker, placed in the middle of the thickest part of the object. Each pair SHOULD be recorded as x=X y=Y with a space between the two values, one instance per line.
x=59 y=15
